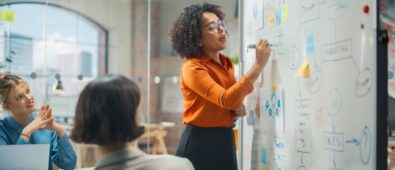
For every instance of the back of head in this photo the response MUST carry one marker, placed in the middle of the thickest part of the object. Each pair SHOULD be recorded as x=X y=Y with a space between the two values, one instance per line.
x=106 y=112
x=7 y=83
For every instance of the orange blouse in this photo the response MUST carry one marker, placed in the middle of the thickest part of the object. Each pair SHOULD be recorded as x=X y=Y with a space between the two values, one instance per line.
x=211 y=92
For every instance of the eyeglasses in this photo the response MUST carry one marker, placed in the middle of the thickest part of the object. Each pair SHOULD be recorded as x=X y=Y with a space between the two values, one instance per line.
x=215 y=26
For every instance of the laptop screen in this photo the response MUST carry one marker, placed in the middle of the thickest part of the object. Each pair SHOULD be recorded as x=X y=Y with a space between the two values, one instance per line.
x=34 y=156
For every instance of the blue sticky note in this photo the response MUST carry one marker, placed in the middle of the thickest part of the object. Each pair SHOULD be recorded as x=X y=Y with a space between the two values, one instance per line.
x=264 y=156
x=250 y=118
x=279 y=145
x=278 y=16
x=309 y=44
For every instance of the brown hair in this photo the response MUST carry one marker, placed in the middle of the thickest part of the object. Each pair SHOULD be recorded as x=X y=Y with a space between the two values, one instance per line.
x=7 y=83
x=186 y=33
x=106 y=112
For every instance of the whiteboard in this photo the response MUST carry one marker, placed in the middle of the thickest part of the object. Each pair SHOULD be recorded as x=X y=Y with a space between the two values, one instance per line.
x=315 y=105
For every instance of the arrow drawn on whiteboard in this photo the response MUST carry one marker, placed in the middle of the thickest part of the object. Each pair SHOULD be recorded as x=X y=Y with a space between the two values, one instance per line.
x=353 y=141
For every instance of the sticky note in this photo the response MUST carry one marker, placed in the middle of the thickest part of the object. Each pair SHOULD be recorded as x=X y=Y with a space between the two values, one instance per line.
x=304 y=69
x=278 y=16
x=1 y=15
x=310 y=44
x=284 y=12
x=250 y=118
x=271 y=19
x=9 y=16
x=273 y=87
x=264 y=156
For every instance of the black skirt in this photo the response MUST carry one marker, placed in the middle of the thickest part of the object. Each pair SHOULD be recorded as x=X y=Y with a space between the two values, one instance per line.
x=208 y=148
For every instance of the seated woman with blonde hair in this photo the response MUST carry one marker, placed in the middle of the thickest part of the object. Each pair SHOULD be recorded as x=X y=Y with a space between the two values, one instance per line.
x=25 y=126
x=107 y=115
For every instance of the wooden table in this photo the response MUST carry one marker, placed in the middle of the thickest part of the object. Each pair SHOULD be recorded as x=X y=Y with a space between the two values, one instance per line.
x=155 y=134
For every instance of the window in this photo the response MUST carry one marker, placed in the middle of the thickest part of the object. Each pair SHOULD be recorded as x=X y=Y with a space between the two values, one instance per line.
x=47 y=40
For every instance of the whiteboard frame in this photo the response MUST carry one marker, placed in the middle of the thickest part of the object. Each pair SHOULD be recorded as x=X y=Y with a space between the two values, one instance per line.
x=381 y=93
x=240 y=123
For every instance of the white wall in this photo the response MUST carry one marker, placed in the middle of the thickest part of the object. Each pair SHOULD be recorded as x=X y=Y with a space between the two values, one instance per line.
x=114 y=16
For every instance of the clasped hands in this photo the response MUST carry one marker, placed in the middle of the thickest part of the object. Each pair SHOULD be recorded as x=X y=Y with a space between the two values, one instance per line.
x=44 y=120
x=240 y=112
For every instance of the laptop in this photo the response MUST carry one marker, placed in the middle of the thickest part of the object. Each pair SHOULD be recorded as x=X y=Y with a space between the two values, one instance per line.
x=16 y=157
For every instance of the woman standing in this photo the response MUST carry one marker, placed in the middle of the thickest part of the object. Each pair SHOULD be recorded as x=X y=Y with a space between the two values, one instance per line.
x=24 y=126
x=212 y=97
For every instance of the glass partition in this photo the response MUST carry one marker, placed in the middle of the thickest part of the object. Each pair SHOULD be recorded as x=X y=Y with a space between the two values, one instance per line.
x=58 y=46
x=166 y=101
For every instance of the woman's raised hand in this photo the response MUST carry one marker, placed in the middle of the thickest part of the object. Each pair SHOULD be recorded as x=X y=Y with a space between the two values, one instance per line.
x=263 y=51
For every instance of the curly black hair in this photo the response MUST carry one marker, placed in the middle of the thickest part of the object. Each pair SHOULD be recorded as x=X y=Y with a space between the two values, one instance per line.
x=186 y=33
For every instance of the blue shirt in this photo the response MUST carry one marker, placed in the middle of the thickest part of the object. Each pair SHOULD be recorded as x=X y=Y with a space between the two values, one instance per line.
x=61 y=152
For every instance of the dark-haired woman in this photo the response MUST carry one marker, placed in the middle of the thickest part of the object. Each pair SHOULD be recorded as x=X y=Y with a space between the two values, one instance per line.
x=25 y=126
x=107 y=115
x=212 y=96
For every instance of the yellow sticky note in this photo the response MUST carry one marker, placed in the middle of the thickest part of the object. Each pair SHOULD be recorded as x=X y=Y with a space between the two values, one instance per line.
x=273 y=87
x=271 y=19
x=284 y=12
x=1 y=15
x=9 y=16
x=304 y=69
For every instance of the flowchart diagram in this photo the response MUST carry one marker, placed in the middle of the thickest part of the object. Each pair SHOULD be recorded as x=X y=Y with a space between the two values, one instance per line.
x=323 y=87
